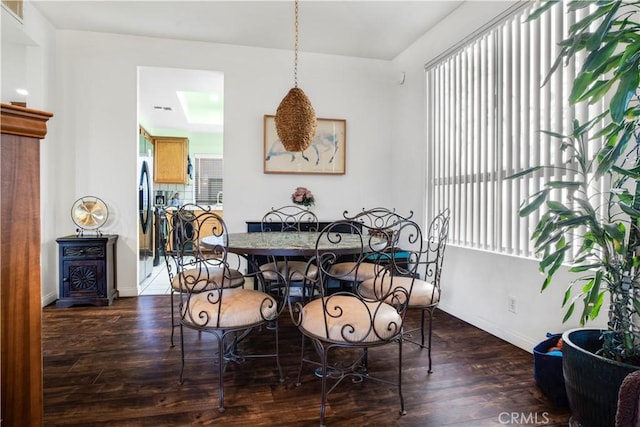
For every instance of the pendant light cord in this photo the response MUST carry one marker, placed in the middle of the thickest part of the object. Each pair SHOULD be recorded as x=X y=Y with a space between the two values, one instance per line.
x=295 y=50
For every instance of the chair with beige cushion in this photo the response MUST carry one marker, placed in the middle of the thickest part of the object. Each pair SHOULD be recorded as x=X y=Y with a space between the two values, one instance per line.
x=174 y=236
x=426 y=289
x=347 y=320
x=211 y=302
x=377 y=220
x=291 y=218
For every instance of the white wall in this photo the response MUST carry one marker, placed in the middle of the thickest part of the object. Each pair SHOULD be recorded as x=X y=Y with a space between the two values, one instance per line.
x=28 y=61
x=476 y=285
x=98 y=130
x=91 y=149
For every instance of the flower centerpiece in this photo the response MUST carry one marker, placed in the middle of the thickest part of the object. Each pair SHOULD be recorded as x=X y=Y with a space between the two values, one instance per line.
x=303 y=196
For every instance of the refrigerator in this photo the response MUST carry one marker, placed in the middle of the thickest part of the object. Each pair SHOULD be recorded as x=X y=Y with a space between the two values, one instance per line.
x=145 y=209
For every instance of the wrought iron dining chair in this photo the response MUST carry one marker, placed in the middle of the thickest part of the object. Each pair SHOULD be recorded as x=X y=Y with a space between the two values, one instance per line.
x=375 y=220
x=347 y=319
x=176 y=235
x=208 y=302
x=426 y=289
x=290 y=218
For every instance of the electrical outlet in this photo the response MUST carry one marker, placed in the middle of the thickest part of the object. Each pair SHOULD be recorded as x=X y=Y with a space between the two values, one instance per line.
x=513 y=305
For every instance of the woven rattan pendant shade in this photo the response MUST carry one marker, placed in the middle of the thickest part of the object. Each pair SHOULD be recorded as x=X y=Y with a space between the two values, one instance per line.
x=295 y=117
x=296 y=121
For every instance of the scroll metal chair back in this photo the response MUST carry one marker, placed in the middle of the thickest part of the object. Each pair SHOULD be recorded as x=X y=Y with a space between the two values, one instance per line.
x=291 y=218
x=376 y=220
x=210 y=299
x=348 y=319
x=169 y=239
x=178 y=244
x=426 y=288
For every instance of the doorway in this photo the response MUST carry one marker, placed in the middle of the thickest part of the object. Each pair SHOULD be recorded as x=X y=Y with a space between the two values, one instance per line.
x=174 y=103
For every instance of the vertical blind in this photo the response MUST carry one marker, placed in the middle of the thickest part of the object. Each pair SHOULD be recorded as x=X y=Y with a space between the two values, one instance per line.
x=486 y=105
x=209 y=178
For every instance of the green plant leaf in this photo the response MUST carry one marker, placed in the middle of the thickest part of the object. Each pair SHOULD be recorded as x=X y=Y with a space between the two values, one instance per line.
x=608 y=155
x=557 y=207
x=626 y=89
x=584 y=267
x=599 y=89
x=595 y=310
x=567 y=296
x=559 y=260
x=541 y=10
x=615 y=231
x=541 y=244
x=571 y=185
x=629 y=58
x=545 y=283
x=633 y=173
x=569 y=312
x=550 y=260
x=633 y=213
x=598 y=36
x=580 y=85
x=599 y=57
x=574 y=222
x=535 y=204
x=552 y=134
x=524 y=172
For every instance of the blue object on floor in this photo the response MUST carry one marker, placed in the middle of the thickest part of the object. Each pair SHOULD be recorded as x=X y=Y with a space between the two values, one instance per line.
x=547 y=370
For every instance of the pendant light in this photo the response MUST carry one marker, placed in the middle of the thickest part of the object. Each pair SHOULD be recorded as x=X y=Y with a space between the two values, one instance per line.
x=295 y=117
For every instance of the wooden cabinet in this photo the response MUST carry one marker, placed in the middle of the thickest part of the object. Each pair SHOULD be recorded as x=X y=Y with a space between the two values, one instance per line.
x=170 y=160
x=87 y=270
x=20 y=292
x=206 y=228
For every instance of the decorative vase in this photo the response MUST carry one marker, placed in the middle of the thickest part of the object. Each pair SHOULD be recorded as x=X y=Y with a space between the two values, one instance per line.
x=592 y=382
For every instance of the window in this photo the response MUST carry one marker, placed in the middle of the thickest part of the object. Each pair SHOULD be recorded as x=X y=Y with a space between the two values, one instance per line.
x=486 y=107
x=209 y=178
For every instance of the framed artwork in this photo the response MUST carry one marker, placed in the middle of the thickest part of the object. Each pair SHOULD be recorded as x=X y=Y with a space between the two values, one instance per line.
x=326 y=154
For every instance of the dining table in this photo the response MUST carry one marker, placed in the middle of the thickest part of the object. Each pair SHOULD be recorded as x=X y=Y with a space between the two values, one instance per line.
x=289 y=244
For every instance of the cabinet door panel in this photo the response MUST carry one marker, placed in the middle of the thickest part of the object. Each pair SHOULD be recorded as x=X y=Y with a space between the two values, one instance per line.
x=170 y=160
x=84 y=278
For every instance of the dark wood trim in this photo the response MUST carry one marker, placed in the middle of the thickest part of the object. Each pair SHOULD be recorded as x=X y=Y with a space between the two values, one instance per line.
x=20 y=290
x=23 y=121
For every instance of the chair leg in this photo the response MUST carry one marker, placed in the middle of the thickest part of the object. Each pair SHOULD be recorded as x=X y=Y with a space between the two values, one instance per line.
x=173 y=321
x=430 y=334
x=422 y=327
x=181 y=377
x=403 y=411
x=278 y=351
x=221 y=352
x=323 y=403
x=298 y=382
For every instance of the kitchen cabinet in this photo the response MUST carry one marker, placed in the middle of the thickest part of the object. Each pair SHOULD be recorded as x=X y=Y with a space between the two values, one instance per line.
x=206 y=228
x=170 y=160
x=21 y=302
x=87 y=270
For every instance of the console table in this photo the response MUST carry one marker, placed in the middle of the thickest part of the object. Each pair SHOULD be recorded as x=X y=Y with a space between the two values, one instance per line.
x=87 y=270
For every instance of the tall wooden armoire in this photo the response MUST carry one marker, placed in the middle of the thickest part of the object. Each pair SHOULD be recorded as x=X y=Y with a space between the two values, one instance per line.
x=20 y=293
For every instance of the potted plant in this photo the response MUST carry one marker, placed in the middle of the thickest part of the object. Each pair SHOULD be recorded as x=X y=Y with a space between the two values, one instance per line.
x=604 y=239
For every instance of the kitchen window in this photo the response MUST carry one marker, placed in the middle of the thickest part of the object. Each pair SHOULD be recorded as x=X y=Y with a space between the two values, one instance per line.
x=209 y=175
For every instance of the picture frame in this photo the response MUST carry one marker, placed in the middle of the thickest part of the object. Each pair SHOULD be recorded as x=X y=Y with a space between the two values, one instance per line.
x=325 y=156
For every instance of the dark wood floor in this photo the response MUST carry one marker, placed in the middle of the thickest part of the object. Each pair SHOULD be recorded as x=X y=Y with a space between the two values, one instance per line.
x=113 y=366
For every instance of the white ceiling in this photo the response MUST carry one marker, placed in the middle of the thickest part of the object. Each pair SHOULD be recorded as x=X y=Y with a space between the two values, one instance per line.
x=369 y=29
